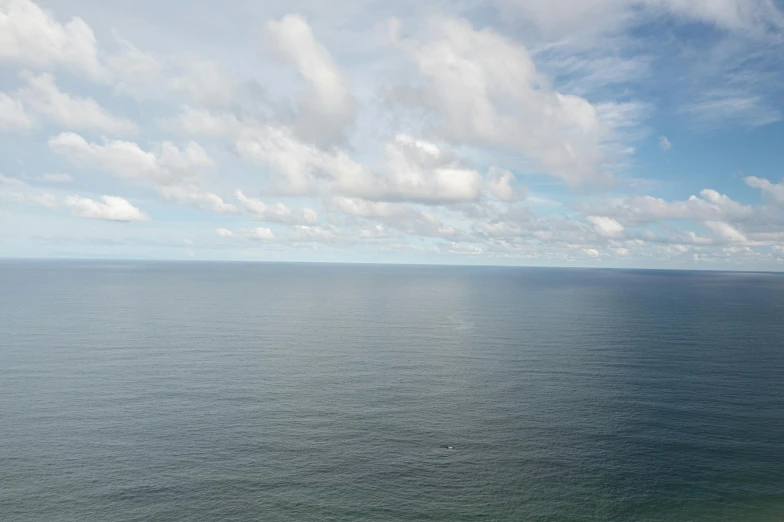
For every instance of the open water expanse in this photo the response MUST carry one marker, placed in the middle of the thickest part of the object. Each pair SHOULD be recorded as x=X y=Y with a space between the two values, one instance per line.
x=143 y=391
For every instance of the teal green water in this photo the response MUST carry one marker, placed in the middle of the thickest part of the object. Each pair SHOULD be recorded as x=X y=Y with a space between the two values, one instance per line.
x=187 y=391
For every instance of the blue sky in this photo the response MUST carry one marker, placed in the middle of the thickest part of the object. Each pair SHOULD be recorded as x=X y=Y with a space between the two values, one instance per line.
x=631 y=133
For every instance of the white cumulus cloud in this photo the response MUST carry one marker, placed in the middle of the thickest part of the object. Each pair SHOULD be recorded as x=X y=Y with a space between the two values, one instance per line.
x=261 y=233
x=176 y=173
x=43 y=96
x=486 y=91
x=414 y=170
x=166 y=166
x=606 y=227
x=110 y=208
x=327 y=106
x=276 y=212
x=13 y=116
x=774 y=190
x=30 y=36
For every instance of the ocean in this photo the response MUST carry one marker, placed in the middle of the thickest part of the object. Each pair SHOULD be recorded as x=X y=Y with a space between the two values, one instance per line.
x=187 y=391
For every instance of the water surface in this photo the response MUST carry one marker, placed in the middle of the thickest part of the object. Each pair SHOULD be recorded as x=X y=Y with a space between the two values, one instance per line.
x=229 y=391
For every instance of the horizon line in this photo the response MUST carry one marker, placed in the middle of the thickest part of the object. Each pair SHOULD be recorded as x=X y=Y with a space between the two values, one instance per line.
x=6 y=259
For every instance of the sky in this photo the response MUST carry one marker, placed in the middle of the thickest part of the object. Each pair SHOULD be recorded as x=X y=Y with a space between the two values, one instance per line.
x=600 y=133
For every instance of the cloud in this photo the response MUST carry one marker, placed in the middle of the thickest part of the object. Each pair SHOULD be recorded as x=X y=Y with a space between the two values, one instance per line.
x=708 y=206
x=726 y=232
x=326 y=107
x=320 y=234
x=422 y=144
x=42 y=95
x=178 y=174
x=486 y=91
x=200 y=198
x=421 y=171
x=606 y=227
x=586 y=19
x=18 y=191
x=13 y=116
x=743 y=15
x=727 y=70
x=727 y=221
x=717 y=108
x=501 y=184
x=202 y=122
x=301 y=168
x=415 y=170
x=57 y=177
x=462 y=249
x=204 y=82
x=110 y=208
x=166 y=166
x=773 y=190
x=399 y=216
x=134 y=71
x=570 y=18
x=30 y=36
x=277 y=212
x=261 y=233
x=5 y=180
x=370 y=209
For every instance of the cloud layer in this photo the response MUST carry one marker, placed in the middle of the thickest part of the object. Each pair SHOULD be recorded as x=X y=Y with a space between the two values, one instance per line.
x=599 y=132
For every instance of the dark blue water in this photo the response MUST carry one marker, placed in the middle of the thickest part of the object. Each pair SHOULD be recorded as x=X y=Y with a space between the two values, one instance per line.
x=183 y=391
